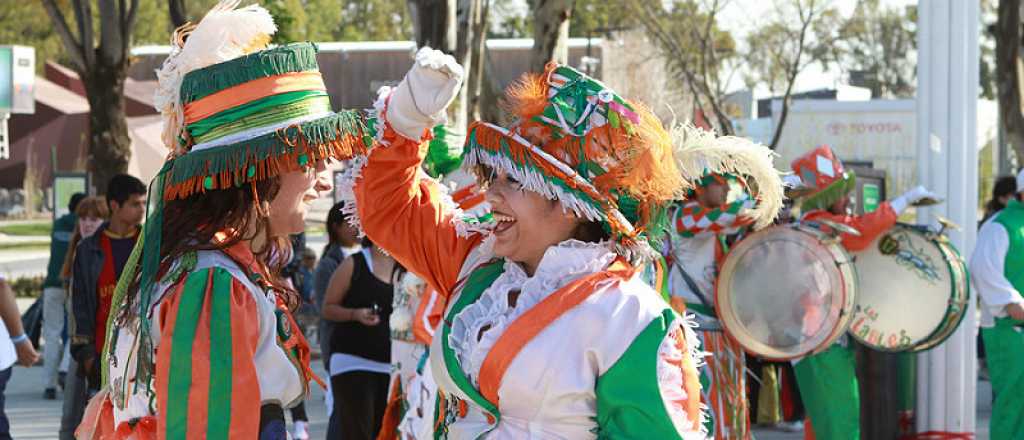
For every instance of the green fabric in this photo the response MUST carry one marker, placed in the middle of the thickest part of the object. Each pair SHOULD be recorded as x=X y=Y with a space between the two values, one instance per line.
x=295 y=57
x=443 y=156
x=571 y=101
x=221 y=357
x=1004 y=349
x=260 y=113
x=478 y=281
x=830 y=194
x=906 y=368
x=179 y=384
x=1012 y=219
x=828 y=386
x=60 y=238
x=629 y=401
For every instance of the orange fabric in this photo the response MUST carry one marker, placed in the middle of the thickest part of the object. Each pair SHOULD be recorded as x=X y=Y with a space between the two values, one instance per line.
x=198 y=396
x=691 y=379
x=402 y=213
x=428 y=315
x=678 y=304
x=250 y=91
x=98 y=419
x=392 y=413
x=870 y=225
x=525 y=328
x=245 y=398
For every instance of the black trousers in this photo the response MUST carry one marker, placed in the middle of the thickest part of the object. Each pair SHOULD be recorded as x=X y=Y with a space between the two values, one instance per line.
x=360 y=398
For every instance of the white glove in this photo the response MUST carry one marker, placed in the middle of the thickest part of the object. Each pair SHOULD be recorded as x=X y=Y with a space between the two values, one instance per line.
x=420 y=100
x=908 y=198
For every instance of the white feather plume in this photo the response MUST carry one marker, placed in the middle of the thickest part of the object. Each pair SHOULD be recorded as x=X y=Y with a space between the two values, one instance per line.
x=225 y=33
x=698 y=152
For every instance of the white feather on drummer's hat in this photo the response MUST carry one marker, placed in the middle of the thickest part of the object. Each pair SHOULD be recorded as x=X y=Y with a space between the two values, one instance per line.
x=226 y=32
x=699 y=152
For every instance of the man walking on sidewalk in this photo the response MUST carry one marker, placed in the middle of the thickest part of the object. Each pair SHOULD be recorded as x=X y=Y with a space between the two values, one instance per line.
x=15 y=346
x=98 y=262
x=55 y=297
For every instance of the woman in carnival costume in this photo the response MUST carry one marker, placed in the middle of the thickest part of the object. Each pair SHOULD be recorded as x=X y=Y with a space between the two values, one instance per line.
x=549 y=331
x=204 y=345
x=738 y=190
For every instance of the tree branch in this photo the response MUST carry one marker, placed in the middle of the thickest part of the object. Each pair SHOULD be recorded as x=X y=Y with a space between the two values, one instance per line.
x=86 y=30
x=111 y=42
x=73 y=47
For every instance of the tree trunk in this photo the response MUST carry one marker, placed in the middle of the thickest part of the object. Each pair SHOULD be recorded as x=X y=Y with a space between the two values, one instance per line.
x=1010 y=74
x=476 y=82
x=550 y=32
x=179 y=15
x=434 y=23
x=109 y=144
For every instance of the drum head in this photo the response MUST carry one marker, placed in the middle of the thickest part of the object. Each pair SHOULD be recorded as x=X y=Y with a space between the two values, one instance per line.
x=913 y=291
x=785 y=292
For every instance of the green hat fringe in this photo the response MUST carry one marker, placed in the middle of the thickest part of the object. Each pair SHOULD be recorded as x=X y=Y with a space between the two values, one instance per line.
x=831 y=194
x=339 y=135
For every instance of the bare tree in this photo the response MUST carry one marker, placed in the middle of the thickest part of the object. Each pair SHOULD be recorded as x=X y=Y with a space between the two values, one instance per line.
x=550 y=32
x=102 y=63
x=801 y=32
x=698 y=53
x=1010 y=73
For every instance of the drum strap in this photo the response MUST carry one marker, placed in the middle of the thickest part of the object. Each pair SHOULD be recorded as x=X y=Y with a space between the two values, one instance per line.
x=693 y=286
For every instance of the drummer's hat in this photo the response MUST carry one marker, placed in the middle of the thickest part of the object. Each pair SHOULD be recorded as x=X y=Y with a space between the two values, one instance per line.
x=824 y=177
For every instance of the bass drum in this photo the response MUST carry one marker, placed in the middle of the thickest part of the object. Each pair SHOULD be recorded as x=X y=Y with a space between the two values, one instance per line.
x=913 y=293
x=786 y=291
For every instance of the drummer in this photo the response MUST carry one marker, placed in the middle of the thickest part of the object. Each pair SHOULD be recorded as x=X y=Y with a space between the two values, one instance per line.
x=997 y=271
x=716 y=212
x=826 y=380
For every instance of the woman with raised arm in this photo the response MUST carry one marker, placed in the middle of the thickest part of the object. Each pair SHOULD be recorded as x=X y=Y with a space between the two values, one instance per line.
x=549 y=332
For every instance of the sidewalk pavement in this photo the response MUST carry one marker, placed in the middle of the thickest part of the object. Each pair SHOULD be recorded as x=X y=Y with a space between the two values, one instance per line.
x=33 y=418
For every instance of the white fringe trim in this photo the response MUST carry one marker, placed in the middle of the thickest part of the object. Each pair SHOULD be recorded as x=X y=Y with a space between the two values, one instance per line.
x=698 y=152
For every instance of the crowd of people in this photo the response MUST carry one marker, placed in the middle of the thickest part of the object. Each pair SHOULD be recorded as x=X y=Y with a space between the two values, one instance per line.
x=565 y=289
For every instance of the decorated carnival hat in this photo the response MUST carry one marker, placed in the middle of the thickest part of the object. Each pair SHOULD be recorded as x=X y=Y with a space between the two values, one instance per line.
x=235 y=112
x=824 y=178
x=703 y=158
x=603 y=157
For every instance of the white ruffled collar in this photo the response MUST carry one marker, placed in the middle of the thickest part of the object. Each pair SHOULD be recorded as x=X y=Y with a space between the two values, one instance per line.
x=568 y=258
x=477 y=328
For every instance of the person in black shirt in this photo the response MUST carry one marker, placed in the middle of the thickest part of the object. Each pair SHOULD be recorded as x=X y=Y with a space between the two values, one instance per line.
x=358 y=300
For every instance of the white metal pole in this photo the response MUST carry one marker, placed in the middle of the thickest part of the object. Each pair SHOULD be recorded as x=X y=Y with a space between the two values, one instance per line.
x=948 y=163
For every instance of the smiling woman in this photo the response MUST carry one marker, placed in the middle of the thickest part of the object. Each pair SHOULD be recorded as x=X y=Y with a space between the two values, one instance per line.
x=550 y=331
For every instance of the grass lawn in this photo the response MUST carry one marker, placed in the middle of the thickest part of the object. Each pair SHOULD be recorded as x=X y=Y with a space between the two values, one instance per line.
x=25 y=246
x=41 y=228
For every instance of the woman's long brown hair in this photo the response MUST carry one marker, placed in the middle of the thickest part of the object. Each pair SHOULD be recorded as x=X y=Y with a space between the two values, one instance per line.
x=95 y=207
x=192 y=223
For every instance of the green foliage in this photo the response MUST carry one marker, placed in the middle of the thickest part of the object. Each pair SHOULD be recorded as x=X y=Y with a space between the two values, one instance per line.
x=598 y=17
x=877 y=42
x=28 y=25
x=42 y=228
x=27 y=287
x=800 y=33
x=290 y=18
